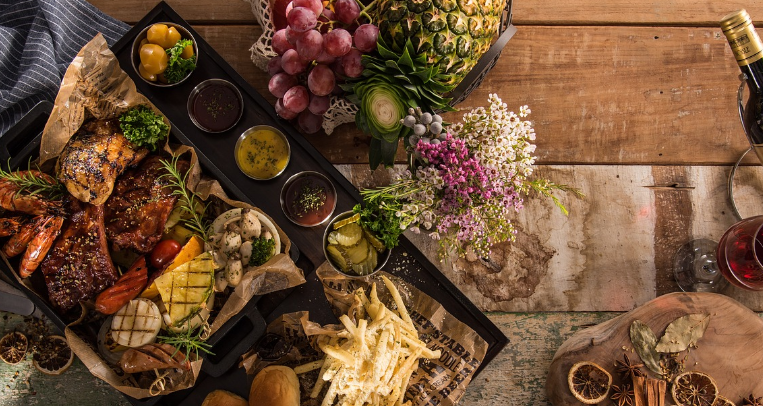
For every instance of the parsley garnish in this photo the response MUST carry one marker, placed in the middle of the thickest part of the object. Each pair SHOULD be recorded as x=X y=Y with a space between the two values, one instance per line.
x=143 y=127
x=262 y=250
x=378 y=216
x=177 y=67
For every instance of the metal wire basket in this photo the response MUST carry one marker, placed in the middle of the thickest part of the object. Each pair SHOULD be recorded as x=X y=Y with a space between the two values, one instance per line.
x=475 y=77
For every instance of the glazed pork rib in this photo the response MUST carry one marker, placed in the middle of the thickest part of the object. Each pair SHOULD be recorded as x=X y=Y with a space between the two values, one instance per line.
x=79 y=265
x=94 y=157
x=140 y=205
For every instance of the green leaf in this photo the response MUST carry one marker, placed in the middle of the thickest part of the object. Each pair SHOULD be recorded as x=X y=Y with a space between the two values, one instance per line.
x=644 y=341
x=683 y=332
x=143 y=127
x=374 y=153
x=389 y=152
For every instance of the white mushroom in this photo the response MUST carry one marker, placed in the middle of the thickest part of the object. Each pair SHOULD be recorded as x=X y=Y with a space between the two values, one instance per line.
x=246 y=251
x=234 y=270
x=267 y=235
x=220 y=282
x=231 y=242
x=220 y=259
x=250 y=224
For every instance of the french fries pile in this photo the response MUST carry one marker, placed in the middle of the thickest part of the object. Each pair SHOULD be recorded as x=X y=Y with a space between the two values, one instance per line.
x=372 y=361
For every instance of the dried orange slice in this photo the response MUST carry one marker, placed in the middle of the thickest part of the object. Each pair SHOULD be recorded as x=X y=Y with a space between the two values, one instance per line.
x=722 y=401
x=694 y=388
x=53 y=356
x=13 y=347
x=589 y=382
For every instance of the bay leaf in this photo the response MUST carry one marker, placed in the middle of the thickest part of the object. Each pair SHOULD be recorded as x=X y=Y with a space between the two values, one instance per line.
x=644 y=341
x=683 y=332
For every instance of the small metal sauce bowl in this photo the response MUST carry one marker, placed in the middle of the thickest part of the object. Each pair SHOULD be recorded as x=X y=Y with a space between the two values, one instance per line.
x=383 y=257
x=296 y=177
x=135 y=59
x=256 y=128
x=203 y=85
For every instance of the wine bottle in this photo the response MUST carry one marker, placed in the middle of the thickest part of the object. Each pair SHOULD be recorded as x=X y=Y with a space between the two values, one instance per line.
x=748 y=51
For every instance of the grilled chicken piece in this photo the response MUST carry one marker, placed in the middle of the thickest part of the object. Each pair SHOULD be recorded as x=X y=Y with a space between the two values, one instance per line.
x=79 y=265
x=140 y=205
x=94 y=157
x=153 y=356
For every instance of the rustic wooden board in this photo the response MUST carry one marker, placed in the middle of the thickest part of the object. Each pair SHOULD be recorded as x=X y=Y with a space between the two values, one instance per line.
x=726 y=351
x=614 y=251
x=559 y=12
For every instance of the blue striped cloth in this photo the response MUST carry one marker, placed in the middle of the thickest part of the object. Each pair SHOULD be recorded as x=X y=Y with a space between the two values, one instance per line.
x=38 y=41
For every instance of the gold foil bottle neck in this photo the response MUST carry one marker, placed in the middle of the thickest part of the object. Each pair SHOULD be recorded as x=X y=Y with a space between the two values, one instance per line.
x=735 y=19
x=744 y=41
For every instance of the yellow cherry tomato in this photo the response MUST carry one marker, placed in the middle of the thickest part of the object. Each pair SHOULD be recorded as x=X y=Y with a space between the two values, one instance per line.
x=146 y=75
x=173 y=36
x=153 y=59
x=187 y=52
x=157 y=33
x=144 y=41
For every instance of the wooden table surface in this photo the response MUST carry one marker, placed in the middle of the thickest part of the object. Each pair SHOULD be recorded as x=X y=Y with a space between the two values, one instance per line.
x=633 y=102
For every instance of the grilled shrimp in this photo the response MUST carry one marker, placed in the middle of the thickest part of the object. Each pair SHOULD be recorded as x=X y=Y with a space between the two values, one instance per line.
x=19 y=241
x=47 y=233
x=10 y=225
x=11 y=199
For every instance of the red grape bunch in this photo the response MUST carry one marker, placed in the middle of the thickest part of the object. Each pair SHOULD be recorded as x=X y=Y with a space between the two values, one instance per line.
x=319 y=49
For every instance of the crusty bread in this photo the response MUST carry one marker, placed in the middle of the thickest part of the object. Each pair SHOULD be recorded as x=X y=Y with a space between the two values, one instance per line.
x=224 y=398
x=275 y=386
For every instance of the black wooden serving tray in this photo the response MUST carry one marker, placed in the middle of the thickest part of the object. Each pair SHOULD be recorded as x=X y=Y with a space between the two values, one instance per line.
x=215 y=152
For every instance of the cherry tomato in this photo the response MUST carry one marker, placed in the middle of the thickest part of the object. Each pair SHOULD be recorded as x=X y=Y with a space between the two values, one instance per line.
x=164 y=253
x=187 y=52
x=153 y=58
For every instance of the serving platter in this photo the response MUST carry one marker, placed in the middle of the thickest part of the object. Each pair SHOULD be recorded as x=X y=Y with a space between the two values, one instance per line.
x=216 y=155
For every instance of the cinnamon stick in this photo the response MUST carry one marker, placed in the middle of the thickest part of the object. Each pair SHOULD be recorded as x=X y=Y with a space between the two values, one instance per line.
x=639 y=395
x=655 y=392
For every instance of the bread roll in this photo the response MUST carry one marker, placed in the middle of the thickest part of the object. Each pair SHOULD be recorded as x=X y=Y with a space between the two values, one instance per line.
x=224 y=398
x=275 y=386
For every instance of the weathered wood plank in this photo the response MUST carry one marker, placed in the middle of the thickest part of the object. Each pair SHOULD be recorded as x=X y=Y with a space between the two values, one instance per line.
x=193 y=11
x=618 y=95
x=615 y=250
x=556 y=12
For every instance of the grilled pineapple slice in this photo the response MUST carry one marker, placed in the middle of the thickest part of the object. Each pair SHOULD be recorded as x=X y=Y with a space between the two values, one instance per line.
x=185 y=289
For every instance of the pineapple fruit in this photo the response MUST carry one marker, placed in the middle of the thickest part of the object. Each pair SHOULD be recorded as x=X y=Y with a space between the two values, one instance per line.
x=453 y=34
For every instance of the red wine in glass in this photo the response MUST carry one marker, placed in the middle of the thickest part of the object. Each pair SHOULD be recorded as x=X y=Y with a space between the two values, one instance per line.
x=740 y=254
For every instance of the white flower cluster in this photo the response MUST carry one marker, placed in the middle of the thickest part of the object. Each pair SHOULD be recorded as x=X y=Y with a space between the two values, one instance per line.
x=499 y=138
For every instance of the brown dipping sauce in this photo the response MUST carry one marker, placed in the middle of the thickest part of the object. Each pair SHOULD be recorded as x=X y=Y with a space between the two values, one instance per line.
x=308 y=199
x=216 y=108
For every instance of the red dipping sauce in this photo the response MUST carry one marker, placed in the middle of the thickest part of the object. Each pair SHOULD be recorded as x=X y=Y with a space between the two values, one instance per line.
x=215 y=105
x=308 y=199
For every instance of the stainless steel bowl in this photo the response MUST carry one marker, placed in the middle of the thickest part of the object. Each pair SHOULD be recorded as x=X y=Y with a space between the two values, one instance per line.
x=383 y=257
x=256 y=128
x=184 y=34
x=203 y=85
x=301 y=175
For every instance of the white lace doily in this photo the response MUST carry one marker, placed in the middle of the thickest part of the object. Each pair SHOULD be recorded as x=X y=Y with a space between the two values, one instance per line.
x=340 y=111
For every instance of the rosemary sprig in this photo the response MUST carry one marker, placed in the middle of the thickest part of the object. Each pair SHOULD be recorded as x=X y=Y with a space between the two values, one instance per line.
x=32 y=184
x=188 y=199
x=189 y=341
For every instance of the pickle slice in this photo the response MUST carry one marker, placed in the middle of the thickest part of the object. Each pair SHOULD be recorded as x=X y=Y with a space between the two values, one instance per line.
x=367 y=266
x=377 y=244
x=352 y=219
x=337 y=258
x=348 y=235
x=357 y=253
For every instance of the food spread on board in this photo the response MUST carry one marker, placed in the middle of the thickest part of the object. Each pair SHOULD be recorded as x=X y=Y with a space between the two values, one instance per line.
x=123 y=240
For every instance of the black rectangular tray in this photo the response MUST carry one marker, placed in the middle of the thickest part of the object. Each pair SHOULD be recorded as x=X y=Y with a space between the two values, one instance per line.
x=215 y=152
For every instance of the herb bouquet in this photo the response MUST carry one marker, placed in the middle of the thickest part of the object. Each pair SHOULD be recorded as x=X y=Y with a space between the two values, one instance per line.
x=464 y=183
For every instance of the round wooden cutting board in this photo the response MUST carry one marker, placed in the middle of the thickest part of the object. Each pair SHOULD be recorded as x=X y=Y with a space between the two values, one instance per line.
x=731 y=350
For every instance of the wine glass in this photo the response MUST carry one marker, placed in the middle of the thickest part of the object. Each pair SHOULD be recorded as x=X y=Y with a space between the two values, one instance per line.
x=740 y=252
x=695 y=267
